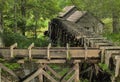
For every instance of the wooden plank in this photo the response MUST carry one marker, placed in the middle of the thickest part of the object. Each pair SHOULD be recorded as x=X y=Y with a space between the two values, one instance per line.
x=94 y=38
x=71 y=78
x=54 y=53
x=44 y=61
x=48 y=76
x=51 y=61
x=53 y=72
x=109 y=47
x=66 y=74
x=99 y=44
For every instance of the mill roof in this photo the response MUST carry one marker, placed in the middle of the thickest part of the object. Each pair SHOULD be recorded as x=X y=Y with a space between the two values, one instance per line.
x=70 y=13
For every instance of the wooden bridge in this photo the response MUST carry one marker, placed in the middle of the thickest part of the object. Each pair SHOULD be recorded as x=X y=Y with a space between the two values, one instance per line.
x=49 y=55
x=95 y=50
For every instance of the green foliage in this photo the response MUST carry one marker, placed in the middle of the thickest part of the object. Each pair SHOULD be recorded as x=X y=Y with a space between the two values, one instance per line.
x=84 y=80
x=12 y=66
x=10 y=38
x=113 y=37
x=103 y=66
x=108 y=25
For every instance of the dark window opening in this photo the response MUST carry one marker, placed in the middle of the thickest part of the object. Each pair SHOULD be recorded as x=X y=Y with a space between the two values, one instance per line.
x=87 y=28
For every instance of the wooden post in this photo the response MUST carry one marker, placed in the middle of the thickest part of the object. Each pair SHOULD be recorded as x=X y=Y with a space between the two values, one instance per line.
x=48 y=51
x=11 y=49
x=102 y=55
x=85 y=46
x=40 y=76
x=107 y=58
x=77 y=72
x=117 y=58
x=68 y=56
x=29 y=50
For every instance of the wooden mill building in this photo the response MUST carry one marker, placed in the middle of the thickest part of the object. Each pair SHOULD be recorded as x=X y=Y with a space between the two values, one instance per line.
x=71 y=24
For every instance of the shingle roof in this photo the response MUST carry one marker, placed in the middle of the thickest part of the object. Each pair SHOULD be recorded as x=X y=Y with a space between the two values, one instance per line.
x=76 y=16
x=66 y=10
x=73 y=17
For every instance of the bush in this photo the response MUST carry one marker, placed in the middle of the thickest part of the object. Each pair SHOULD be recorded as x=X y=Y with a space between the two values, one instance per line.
x=10 y=38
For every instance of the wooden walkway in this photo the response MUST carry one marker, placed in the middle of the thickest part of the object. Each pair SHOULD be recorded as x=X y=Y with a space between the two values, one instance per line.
x=49 y=55
x=95 y=50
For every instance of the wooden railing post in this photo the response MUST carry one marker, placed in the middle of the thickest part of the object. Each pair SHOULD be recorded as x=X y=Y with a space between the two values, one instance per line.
x=85 y=46
x=11 y=49
x=48 y=51
x=29 y=50
x=67 y=51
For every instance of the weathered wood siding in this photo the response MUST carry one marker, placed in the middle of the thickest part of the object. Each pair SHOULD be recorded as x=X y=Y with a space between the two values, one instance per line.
x=90 y=23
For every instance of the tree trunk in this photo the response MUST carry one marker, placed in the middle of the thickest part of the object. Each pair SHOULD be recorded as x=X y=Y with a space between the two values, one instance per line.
x=23 y=13
x=15 y=16
x=115 y=22
x=1 y=29
x=1 y=22
x=35 y=29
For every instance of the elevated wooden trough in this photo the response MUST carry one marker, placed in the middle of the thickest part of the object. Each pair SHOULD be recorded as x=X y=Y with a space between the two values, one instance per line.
x=49 y=55
x=50 y=52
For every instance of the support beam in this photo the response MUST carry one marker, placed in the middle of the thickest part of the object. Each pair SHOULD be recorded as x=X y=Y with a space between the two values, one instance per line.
x=39 y=71
x=53 y=72
x=48 y=76
x=71 y=78
x=117 y=68
x=68 y=73
x=77 y=72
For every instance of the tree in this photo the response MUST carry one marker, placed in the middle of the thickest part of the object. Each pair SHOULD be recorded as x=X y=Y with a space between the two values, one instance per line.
x=15 y=15
x=23 y=14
